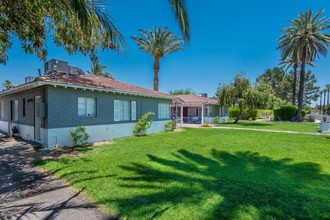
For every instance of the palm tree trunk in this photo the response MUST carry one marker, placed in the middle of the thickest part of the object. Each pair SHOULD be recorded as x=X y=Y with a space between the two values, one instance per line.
x=301 y=86
x=324 y=105
x=328 y=107
x=156 y=70
x=321 y=103
x=294 y=86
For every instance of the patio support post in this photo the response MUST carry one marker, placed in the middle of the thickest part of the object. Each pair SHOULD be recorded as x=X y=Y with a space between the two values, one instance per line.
x=202 y=119
x=181 y=114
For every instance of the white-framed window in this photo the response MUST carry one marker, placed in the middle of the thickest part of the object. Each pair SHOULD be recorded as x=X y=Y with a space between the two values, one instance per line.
x=2 y=110
x=86 y=107
x=121 y=110
x=198 y=112
x=163 y=110
x=210 y=109
x=133 y=110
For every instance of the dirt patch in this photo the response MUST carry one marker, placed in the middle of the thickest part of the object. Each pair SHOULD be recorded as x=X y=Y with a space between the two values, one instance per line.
x=96 y=144
x=60 y=152
x=178 y=130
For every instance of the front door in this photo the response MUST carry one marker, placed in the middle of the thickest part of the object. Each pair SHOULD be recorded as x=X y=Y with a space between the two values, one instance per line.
x=37 y=120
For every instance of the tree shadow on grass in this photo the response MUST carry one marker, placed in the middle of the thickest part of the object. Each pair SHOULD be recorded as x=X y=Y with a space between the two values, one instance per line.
x=226 y=186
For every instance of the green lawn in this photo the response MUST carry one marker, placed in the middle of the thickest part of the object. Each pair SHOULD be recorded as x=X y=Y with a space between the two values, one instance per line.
x=284 y=126
x=205 y=174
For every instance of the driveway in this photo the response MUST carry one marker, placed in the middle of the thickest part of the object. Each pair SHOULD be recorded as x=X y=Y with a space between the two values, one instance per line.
x=27 y=193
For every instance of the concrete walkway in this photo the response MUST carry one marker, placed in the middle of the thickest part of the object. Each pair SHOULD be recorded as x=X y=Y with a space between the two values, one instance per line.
x=27 y=193
x=254 y=129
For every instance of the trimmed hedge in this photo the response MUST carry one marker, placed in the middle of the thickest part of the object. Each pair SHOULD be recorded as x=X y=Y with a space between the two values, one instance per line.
x=287 y=113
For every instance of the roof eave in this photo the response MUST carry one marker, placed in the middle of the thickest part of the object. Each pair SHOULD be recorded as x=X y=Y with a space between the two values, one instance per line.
x=43 y=83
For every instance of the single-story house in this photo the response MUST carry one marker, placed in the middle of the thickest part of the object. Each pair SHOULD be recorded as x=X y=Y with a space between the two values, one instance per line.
x=198 y=109
x=46 y=108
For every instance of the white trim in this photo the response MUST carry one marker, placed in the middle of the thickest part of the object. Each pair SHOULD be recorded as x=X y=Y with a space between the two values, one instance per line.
x=202 y=115
x=4 y=126
x=61 y=136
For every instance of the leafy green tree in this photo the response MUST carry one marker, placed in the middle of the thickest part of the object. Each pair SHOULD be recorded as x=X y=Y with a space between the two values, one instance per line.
x=187 y=91
x=307 y=40
x=311 y=91
x=158 y=43
x=242 y=94
x=76 y=25
x=292 y=61
x=97 y=68
x=7 y=84
x=278 y=81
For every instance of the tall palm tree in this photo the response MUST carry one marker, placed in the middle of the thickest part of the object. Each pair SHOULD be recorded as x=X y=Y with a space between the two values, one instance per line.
x=7 y=84
x=306 y=39
x=328 y=90
x=324 y=102
x=289 y=61
x=321 y=93
x=97 y=68
x=89 y=10
x=292 y=61
x=158 y=43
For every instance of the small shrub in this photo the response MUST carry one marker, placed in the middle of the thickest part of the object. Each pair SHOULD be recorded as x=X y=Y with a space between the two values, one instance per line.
x=247 y=114
x=216 y=120
x=170 y=126
x=143 y=124
x=233 y=112
x=250 y=114
x=285 y=112
x=206 y=125
x=79 y=135
x=304 y=113
x=311 y=118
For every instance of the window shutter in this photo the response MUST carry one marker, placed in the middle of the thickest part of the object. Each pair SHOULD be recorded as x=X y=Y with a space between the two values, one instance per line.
x=116 y=110
x=133 y=110
x=168 y=107
x=2 y=110
x=126 y=111
x=90 y=106
x=81 y=106
x=159 y=110
x=16 y=110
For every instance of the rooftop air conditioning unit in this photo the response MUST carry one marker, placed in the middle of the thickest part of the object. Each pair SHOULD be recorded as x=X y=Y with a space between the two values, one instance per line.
x=29 y=79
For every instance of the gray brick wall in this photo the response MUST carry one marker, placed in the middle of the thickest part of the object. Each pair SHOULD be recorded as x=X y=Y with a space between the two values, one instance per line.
x=63 y=107
x=28 y=119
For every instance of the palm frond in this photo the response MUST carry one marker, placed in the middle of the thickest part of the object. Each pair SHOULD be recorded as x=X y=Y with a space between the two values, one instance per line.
x=180 y=11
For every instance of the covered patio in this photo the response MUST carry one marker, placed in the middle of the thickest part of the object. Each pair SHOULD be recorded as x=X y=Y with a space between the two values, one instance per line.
x=198 y=109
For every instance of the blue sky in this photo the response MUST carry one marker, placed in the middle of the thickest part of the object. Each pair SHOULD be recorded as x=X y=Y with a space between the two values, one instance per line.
x=226 y=37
